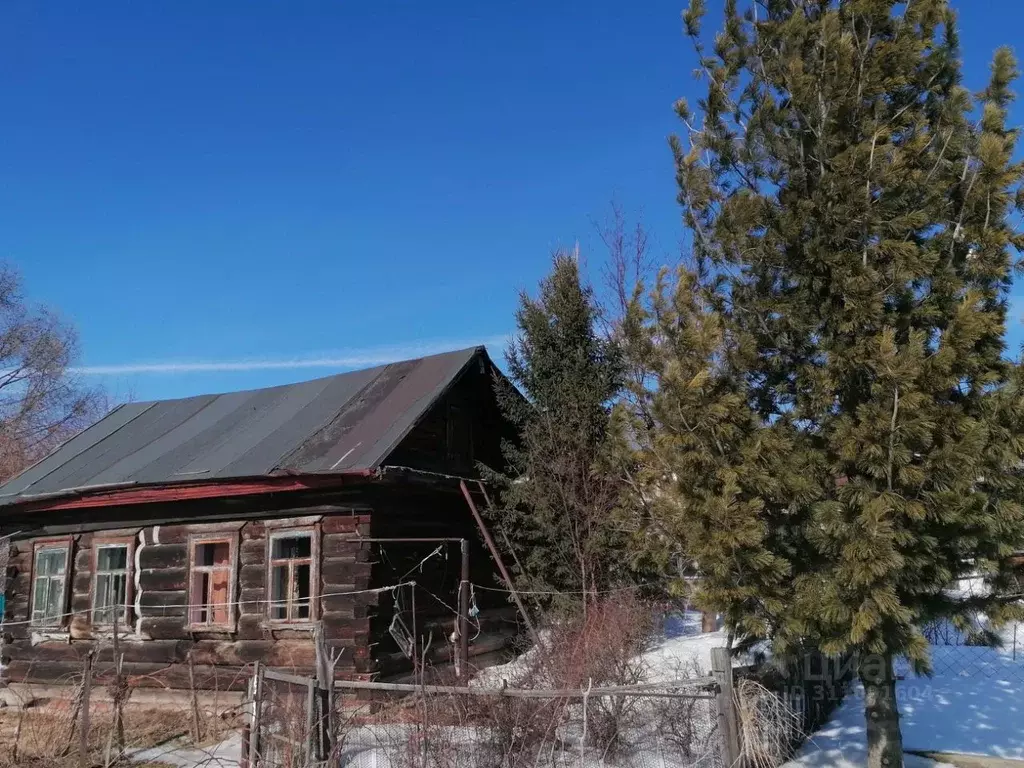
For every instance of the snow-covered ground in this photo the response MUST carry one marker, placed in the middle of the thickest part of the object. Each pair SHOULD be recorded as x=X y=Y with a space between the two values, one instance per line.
x=226 y=754
x=680 y=652
x=973 y=704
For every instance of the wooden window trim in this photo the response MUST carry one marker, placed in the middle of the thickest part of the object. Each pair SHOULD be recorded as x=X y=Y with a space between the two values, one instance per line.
x=230 y=536
x=129 y=589
x=314 y=573
x=67 y=543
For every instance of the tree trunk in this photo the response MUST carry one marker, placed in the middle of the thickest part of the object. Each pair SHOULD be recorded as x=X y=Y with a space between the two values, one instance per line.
x=708 y=622
x=885 y=743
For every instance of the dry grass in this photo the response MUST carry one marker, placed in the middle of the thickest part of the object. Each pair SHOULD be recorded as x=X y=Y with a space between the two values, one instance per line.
x=599 y=650
x=42 y=734
x=769 y=727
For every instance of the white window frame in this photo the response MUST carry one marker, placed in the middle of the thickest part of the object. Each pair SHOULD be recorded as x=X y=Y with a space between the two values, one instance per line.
x=123 y=542
x=60 y=619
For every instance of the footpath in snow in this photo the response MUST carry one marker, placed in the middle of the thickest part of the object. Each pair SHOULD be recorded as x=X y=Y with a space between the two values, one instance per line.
x=681 y=652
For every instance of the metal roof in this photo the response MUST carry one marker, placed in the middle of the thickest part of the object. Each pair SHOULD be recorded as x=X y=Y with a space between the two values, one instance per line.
x=333 y=425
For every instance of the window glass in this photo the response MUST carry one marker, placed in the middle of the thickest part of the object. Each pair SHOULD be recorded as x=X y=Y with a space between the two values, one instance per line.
x=110 y=590
x=291 y=547
x=48 y=585
x=291 y=577
x=210 y=592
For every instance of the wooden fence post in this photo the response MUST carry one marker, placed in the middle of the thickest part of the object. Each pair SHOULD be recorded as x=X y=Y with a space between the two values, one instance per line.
x=254 y=720
x=721 y=669
x=312 y=740
x=83 y=726
x=197 y=733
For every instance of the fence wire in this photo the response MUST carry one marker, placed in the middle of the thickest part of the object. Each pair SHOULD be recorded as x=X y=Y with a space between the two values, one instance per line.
x=457 y=731
x=975 y=652
x=377 y=729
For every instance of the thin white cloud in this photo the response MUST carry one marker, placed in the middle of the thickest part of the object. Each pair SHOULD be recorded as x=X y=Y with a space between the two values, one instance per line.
x=344 y=359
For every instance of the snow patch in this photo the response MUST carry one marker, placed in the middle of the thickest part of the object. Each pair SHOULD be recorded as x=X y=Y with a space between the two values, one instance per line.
x=973 y=704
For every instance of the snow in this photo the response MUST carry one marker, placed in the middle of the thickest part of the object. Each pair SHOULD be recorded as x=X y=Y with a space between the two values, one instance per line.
x=841 y=743
x=974 y=704
x=226 y=754
x=681 y=652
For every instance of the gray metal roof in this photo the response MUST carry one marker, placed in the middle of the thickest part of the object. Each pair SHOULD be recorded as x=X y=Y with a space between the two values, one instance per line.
x=336 y=424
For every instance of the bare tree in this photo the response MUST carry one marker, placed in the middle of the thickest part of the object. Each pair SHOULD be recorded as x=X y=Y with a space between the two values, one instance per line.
x=42 y=402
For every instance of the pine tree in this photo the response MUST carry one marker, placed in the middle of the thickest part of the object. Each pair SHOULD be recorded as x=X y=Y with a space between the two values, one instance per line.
x=715 y=482
x=558 y=496
x=856 y=199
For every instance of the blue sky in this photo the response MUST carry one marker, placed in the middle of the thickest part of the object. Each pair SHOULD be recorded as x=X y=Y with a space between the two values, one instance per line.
x=212 y=191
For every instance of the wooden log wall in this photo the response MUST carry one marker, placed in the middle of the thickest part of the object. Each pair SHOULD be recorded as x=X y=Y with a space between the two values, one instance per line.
x=158 y=640
x=429 y=513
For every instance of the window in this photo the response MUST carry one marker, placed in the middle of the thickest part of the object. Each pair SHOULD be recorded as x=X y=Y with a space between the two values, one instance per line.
x=212 y=583
x=48 y=581
x=111 y=581
x=291 y=576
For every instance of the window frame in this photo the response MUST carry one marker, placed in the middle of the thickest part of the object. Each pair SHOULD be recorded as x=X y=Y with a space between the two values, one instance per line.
x=213 y=537
x=99 y=543
x=273 y=534
x=65 y=543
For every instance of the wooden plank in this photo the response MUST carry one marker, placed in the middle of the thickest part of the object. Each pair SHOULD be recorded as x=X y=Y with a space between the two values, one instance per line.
x=253 y=551
x=164 y=627
x=254 y=723
x=163 y=602
x=284 y=677
x=250 y=626
x=252 y=576
x=345 y=571
x=347 y=522
x=721 y=669
x=253 y=601
x=339 y=545
x=158 y=556
x=83 y=559
x=81 y=583
x=254 y=530
x=164 y=580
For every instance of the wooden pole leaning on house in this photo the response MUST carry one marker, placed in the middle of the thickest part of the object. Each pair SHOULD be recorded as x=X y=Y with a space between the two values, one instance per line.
x=721 y=669
x=501 y=564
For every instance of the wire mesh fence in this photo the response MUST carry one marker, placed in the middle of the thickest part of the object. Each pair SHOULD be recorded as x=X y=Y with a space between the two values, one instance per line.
x=377 y=725
x=973 y=652
x=458 y=730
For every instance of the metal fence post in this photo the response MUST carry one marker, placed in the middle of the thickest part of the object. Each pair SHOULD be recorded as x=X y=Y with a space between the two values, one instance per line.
x=721 y=669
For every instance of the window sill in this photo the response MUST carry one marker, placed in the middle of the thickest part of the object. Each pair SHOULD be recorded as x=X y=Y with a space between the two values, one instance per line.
x=300 y=626
x=211 y=629
x=39 y=635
